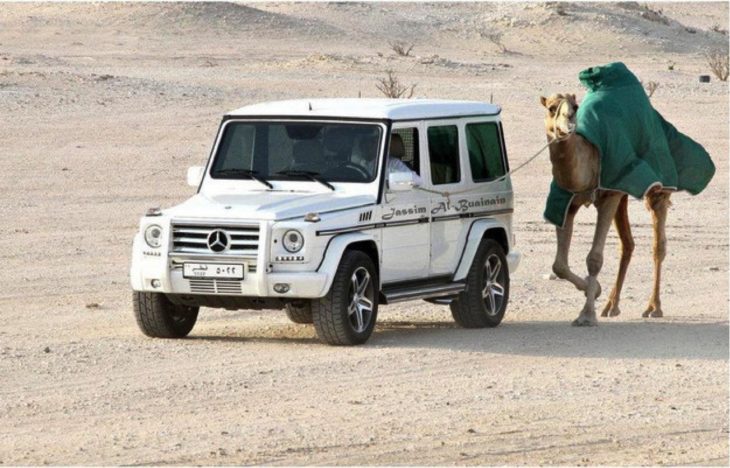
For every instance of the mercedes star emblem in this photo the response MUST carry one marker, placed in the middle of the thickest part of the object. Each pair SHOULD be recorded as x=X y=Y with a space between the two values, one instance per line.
x=218 y=241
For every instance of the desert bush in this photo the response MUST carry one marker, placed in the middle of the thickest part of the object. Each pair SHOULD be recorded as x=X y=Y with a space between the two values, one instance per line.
x=651 y=87
x=401 y=48
x=557 y=7
x=391 y=87
x=496 y=39
x=718 y=29
x=651 y=14
x=718 y=62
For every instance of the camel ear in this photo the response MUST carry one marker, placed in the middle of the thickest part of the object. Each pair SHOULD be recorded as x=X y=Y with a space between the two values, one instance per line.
x=543 y=101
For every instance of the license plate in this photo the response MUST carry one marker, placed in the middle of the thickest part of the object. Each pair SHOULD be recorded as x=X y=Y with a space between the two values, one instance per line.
x=212 y=270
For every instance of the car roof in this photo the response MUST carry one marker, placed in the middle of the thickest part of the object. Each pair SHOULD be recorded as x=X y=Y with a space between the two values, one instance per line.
x=364 y=108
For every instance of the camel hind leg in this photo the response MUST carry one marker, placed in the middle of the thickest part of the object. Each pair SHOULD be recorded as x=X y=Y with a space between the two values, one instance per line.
x=621 y=221
x=658 y=202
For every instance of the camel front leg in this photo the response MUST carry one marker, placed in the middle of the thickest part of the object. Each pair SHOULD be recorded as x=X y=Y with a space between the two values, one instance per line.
x=607 y=204
x=621 y=221
x=658 y=203
x=561 y=268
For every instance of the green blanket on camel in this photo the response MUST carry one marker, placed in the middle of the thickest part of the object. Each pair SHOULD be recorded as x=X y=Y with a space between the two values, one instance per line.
x=638 y=147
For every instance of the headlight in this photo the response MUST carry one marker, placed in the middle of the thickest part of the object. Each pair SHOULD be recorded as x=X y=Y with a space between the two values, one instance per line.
x=153 y=236
x=293 y=241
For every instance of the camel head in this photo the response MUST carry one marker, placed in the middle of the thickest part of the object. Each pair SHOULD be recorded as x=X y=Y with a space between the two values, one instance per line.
x=560 y=116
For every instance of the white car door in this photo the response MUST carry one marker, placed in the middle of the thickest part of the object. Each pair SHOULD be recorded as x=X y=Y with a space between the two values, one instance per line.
x=405 y=216
x=446 y=174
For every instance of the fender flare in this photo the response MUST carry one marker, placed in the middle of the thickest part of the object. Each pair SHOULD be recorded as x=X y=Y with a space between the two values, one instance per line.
x=333 y=254
x=473 y=238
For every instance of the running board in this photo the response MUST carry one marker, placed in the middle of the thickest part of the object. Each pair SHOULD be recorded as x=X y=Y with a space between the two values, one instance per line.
x=405 y=293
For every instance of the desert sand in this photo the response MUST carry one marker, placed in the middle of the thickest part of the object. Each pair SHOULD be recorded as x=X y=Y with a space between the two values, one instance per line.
x=104 y=106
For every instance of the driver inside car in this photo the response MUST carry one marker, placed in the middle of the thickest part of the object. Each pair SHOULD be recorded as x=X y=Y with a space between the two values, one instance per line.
x=369 y=152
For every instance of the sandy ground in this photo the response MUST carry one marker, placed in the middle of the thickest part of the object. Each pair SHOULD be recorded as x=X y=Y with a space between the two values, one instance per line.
x=102 y=109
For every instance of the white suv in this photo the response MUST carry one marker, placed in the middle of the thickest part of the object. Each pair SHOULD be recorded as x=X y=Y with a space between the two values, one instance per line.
x=302 y=206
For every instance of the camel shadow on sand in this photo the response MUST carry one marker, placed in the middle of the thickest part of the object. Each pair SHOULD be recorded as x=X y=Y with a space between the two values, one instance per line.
x=634 y=339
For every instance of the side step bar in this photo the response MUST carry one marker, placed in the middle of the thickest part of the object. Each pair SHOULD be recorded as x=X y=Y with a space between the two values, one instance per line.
x=400 y=294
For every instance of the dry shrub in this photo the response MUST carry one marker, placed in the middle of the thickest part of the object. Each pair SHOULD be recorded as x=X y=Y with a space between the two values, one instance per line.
x=496 y=39
x=391 y=87
x=716 y=28
x=651 y=87
x=718 y=62
x=654 y=15
x=401 y=48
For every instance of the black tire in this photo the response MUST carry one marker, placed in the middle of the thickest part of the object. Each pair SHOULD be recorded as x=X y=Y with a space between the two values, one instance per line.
x=472 y=308
x=333 y=321
x=300 y=312
x=159 y=318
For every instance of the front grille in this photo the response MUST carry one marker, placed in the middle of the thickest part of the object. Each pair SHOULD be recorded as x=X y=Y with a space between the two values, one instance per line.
x=193 y=238
x=215 y=286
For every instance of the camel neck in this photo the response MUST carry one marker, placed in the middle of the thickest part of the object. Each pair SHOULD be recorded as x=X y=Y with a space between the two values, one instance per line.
x=575 y=167
x=563 y=152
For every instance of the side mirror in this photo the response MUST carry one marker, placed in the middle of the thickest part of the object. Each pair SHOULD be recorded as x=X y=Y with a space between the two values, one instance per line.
x=401 y=181
x=195 y=175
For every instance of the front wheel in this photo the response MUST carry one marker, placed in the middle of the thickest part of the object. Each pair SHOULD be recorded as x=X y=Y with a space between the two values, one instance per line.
x=347 y=314
x=159 y=318
x=299 y=312
x=484 y=301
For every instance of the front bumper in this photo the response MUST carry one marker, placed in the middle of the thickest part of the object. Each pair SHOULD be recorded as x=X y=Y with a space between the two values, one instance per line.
x=513 y=260
x=163 y=273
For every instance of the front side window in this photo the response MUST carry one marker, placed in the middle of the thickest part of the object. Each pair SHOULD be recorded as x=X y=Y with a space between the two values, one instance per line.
x=407 y=148
x=485 y=151
x=443 y=149
x=335 y=152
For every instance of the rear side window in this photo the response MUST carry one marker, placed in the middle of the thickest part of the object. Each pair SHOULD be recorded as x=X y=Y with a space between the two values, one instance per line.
x=443 y=149
x=485 y=151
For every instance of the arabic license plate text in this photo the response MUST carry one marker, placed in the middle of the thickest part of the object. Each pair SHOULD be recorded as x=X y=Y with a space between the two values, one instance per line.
x=212 y=270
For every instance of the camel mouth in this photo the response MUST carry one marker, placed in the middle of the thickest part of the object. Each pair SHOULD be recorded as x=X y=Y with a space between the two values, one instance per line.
x=565 y=130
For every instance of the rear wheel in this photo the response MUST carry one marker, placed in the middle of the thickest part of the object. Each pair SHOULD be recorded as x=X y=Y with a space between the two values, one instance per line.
x=299 y=312
x=159 y=318
x=347 y=314
x=484 y=301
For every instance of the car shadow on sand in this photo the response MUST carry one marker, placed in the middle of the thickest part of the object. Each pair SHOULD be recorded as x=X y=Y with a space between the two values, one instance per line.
x=634 y=339
x=648 y=339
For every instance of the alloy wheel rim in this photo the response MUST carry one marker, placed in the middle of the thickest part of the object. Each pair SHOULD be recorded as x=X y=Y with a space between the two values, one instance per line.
x=493 y=287
x=360 y=309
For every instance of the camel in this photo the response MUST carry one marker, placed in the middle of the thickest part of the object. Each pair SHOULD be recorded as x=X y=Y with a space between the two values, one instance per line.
x=575 y=166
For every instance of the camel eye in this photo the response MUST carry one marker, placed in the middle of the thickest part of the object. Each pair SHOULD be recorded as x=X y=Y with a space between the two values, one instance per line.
x=552 y=109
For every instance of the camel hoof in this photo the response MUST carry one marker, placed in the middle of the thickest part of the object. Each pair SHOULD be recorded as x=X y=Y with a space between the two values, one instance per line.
x=584 y=322
x=611 y=311
x=653 y=312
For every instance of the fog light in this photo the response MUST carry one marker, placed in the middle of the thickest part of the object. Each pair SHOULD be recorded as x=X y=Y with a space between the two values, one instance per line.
x=155 y=283
x=281 y=288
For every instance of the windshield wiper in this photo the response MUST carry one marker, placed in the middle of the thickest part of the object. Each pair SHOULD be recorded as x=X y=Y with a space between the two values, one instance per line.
x=313 y=176
x=245 y=172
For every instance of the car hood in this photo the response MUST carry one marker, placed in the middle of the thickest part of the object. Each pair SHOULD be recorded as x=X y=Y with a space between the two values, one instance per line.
x=265 y=205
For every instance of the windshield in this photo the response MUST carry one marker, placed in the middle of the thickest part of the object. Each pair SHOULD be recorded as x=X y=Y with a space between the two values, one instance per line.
x=330 y=152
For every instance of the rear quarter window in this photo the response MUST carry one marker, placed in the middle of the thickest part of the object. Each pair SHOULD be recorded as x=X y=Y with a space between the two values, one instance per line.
x=443 y=148
x=485 y=151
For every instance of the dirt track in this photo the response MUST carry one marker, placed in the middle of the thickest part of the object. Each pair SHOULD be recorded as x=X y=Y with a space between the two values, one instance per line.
x=102 y=108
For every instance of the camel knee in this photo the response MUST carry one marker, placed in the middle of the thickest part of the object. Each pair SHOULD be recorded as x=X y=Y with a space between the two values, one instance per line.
x=594 y=263
x=561 y=270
